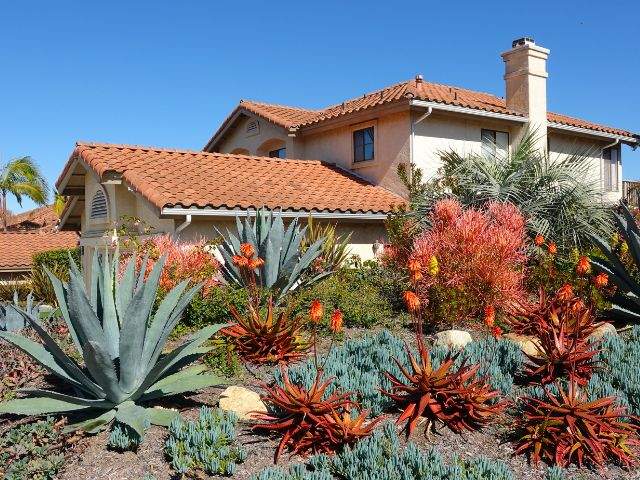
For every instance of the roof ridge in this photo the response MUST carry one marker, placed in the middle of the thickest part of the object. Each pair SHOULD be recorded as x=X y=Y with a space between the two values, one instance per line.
x=379 y=90
x=268 y=104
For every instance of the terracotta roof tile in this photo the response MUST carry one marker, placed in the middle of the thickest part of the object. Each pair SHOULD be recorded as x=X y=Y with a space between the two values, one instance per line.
x=289 y=117
x=41 y=217
x=18 y=248
x=170 y=178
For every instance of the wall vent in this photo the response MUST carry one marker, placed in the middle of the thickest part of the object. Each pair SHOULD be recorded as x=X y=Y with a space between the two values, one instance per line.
x=98 y=206
x=253 y=128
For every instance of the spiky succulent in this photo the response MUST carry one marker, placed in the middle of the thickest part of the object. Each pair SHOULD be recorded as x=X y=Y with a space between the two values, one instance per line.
x=449 y=394
x=121 y=338
x=626 y=299
x=284 y=268
x=11 y=319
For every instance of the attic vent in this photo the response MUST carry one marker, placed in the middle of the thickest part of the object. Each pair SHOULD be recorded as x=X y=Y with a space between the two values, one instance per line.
x=98 y=206
x=253 y=128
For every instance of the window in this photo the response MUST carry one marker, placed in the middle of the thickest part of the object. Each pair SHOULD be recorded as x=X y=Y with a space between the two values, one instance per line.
x=495 y=143
x=610 y=162
x=98 y=206
x=363 y=145
x=278 y=153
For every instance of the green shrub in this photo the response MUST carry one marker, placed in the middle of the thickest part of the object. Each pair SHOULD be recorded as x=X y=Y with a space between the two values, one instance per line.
x=359 y=366
x=207 y=444
x=214 y=308
x=31 y=451
x=57 y=261
x=360 y=301
x=381 y=457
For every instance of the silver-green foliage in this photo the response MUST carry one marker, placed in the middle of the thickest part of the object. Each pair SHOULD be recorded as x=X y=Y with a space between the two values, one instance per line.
x=121 y=337
x=11 y=320
x=208 y=444
x=359 y=366
x=555 y=473
x=123 y=438
x=557 y=194
x=619 y=372
x=284 y=268
x=626 y=299
x=381 y=457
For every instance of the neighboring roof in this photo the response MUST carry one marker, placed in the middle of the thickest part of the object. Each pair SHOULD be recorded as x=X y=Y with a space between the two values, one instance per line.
x=17 y=248
x=293 y=117
x=181 y=178
x=40 y=217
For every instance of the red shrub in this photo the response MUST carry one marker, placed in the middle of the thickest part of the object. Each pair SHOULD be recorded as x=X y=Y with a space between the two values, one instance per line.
x=184 y=260
x=480 y=257
x=568 y=428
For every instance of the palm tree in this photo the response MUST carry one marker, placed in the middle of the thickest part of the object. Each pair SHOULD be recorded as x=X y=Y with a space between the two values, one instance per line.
x=21 y=178
x=558 y=195
x=59 y=202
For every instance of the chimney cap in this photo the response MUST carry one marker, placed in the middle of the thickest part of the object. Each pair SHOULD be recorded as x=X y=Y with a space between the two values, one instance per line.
x=522 y=41
x=419 y=78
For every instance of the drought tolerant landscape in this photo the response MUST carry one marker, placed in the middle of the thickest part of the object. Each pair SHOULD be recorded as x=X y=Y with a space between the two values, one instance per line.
x=493 y=337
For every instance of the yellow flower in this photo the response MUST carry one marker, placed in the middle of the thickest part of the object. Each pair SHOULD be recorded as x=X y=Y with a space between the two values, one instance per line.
x=434 y=268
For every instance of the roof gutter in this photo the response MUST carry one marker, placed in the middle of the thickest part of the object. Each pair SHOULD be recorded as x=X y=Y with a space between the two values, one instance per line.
x=594 y=133
x=468 y=111
x=228 y=213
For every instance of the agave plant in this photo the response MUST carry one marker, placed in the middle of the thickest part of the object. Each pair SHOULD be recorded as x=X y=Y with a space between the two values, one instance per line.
x=335 y=248
x=626 y=299
x=448 y=394
x=121 y=339
x=568 y=428
x=284 y=267
x=554 y=194
x=11 y=319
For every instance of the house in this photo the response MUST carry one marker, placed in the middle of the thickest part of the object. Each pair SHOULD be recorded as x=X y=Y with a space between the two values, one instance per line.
x=17 y=249
x=36 y=219
x=338 y=163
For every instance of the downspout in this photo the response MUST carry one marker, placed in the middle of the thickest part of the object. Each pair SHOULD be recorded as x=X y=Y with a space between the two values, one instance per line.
x=182 y=226
x=413 y=134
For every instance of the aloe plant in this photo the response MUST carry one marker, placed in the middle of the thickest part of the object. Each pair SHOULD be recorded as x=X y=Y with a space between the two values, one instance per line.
x=121 y=338
x=626 y=299
x=285 y=267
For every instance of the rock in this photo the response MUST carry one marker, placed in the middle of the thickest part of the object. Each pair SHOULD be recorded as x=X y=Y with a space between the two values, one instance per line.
x=528 y=344
x=453 y=338
x=242 y=401
x=603 y=330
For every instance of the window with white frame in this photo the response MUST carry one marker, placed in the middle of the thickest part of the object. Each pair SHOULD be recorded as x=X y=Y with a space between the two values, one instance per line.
x=610 y=166
x=494 y=143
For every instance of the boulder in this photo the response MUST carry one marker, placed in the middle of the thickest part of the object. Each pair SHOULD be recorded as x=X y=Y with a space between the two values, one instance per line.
x=453 y=338
x=528 y=344
x=241 y=401
x=602 y=330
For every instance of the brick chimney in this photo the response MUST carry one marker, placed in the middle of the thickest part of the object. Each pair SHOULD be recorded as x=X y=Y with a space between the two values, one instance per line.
x=525 y=76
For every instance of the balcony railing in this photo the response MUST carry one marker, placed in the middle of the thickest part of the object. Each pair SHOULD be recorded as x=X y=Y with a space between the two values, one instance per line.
x=631 y=192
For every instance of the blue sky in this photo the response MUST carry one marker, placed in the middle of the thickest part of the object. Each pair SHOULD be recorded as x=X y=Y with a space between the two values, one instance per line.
x=167 y=73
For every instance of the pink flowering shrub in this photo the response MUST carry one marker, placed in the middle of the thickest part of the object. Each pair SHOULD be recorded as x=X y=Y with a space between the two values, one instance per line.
x=184 y=260
x=470 y=259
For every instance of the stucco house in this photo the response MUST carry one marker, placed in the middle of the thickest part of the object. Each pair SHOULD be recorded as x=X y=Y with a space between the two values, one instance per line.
x=338 y=163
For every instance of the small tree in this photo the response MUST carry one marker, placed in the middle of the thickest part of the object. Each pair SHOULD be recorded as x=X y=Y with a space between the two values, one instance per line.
x=21 y=177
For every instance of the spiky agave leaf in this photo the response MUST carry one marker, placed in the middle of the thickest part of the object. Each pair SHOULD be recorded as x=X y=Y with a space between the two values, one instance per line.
x=626 y=299
x=285 y=268
x=121 y=339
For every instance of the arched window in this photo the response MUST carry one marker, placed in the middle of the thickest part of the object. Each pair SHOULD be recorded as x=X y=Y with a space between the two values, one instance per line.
x=98 y=206
x=274 y=147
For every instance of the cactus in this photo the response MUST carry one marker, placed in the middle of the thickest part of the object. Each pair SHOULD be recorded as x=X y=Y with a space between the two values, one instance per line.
x=121 y=336
x=284 y=269
x=208 y=443
x=381 y=457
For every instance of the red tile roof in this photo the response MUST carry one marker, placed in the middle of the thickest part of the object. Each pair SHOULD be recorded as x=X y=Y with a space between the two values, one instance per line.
x=170 y=178
x=293 y=117
x=17 y=248
x=41 y=217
